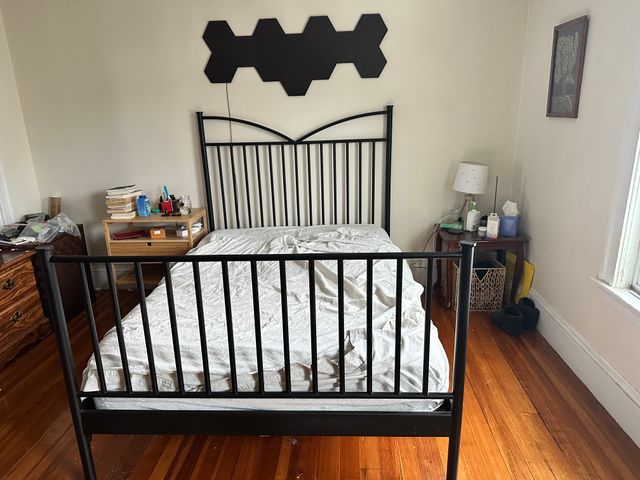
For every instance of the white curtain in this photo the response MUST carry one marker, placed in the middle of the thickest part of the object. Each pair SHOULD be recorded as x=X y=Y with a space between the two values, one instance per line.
x=5 y=202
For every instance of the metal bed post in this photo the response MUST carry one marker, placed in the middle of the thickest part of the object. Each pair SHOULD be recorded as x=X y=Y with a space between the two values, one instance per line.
x=205 y=169
x=387 y=179
x=59 y=324
x=460 y=357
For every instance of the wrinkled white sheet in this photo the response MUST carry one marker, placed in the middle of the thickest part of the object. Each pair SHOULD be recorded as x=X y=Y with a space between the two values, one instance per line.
x=322 y=239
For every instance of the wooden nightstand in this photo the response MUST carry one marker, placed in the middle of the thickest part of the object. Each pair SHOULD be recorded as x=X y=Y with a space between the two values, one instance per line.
x=21 y=318
x=452 y=242
x=171 y=245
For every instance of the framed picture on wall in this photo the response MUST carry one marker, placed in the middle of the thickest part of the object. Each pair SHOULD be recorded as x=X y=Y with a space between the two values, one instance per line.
x=567 y=62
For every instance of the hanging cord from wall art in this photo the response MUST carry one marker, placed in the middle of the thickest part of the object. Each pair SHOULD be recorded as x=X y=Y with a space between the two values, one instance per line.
x=226 y=88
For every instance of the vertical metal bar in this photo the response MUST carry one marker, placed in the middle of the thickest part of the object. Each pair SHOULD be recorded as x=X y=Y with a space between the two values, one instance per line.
x=341 y=323
x=399 y=267
x=227 y=309
x=369 y=326
x=284 y=185
x=346 y=169
x=273 y=195
x=321 y=146
x=387 y=180
x=201 y=327
x=257 y=150
x=427 y=327
x=205 y=169
x=314 y=334
x=118 y=323
x=174 y=325
x=246 y=184
x=460 y=356
x=373 y=182
x=335 y=185
x=59 y=324
x=88 y=305
x=257 y=324
x=295 y=165
x=235 y=185
x=222 y=194
x=359 y=182
x=145 y=326
x=310 y=185
x=285 y=325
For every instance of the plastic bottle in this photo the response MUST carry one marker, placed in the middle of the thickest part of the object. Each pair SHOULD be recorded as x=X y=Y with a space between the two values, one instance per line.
x=143 y=206
x=493 y=226
x=473 y=217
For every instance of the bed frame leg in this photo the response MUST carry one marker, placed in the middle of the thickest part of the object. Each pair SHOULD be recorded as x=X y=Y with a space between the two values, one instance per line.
x=84 y=446
x=453 y=456
x=460 y=357
x=59 y=325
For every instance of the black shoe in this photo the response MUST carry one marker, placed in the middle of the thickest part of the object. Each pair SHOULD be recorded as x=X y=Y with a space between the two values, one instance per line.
x=530 y=313
x=509 y=319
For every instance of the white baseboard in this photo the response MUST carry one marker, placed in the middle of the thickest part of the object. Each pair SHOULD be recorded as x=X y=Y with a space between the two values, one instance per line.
x=616 y=395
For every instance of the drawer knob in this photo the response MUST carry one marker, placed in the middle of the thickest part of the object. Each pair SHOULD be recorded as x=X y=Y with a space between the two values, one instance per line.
x=9 y=284
x=16 y=317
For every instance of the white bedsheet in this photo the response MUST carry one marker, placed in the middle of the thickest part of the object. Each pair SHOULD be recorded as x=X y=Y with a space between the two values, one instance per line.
x=349 y=238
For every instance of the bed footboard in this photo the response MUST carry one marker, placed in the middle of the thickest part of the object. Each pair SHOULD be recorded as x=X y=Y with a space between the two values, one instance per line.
x=87 y=419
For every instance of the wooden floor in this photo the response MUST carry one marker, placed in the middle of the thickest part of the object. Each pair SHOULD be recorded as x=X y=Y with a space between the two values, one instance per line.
x=526 y=417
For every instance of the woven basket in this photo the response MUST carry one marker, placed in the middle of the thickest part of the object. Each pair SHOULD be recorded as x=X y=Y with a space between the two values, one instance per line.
x=487 y=285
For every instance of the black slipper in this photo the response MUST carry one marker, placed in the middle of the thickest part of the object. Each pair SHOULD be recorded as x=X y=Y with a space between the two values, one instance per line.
x=509 y=319
x=530 y=313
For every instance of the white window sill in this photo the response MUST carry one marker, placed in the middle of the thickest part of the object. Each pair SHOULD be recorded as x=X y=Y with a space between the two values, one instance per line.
x=623 y=297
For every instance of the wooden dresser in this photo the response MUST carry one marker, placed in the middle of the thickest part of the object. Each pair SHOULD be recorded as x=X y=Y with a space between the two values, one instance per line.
x=21 y=318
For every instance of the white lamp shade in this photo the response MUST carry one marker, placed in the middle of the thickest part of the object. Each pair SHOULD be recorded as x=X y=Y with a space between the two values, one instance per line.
x=471 y=178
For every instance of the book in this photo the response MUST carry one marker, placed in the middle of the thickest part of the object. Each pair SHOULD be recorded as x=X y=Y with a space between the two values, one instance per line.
x=133 y=195
x=128 y=234
x=119 y=211
x=121 y=189
x=122 y=206
x=123 y=216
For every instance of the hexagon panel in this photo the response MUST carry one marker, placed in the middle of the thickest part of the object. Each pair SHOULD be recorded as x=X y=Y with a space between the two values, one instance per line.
x=295 y=59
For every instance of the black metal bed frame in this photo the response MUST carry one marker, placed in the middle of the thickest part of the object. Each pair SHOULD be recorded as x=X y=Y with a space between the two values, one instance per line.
x=88 y=420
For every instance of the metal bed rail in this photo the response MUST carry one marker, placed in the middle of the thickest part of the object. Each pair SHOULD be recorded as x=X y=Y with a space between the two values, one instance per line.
x=88 y=420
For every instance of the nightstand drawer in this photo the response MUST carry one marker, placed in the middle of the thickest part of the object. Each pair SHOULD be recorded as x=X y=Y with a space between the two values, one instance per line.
x=19 y=321
x=15 y=284
x=125 y=247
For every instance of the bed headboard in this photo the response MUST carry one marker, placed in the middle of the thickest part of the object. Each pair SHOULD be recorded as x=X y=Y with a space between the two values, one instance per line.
x=311 y=180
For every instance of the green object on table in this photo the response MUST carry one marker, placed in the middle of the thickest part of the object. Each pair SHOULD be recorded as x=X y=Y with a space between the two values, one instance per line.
x=155 y=210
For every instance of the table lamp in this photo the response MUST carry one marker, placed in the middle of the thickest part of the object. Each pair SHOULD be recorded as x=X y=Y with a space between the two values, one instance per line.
x=471 y=180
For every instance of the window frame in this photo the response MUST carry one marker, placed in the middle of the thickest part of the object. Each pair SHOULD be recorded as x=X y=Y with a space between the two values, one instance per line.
x=6 y=211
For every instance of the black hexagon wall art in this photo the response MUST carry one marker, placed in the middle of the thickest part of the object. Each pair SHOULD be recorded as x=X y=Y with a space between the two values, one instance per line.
x=295 y=59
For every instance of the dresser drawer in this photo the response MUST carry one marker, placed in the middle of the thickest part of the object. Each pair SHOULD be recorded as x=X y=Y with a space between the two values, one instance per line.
x=22 y=319
x=125 y=247
x=15 y=284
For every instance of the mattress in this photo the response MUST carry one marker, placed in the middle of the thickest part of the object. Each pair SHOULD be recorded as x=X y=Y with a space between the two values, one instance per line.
x=320 y=239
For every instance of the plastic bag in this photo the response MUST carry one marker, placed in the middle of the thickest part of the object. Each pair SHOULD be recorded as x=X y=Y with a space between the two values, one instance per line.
x=41 y=232
x=65 y=224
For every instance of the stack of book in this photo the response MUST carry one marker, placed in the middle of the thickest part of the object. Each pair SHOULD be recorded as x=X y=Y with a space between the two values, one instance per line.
x=121 y=201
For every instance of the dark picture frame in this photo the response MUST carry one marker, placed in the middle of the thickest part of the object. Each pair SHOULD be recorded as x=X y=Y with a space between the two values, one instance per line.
x=567 y=64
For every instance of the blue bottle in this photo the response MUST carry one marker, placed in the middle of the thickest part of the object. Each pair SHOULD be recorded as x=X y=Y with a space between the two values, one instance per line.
x=144 y=207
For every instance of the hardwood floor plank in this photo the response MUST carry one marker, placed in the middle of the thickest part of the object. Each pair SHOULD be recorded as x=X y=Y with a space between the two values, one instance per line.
x=526 y=416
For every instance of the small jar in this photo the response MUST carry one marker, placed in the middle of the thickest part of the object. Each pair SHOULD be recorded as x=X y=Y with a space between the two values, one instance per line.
x=482 y=232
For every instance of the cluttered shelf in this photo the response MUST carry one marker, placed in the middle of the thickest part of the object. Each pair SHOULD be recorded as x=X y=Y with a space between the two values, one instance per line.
x=135 y=228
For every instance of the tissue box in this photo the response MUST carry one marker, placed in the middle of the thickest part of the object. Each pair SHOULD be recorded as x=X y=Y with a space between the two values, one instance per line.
x=509 y=225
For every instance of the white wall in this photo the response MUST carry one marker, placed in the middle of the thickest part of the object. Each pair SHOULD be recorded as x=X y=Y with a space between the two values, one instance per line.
x=15 y=158
x=109 y=89
x=565 y=175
